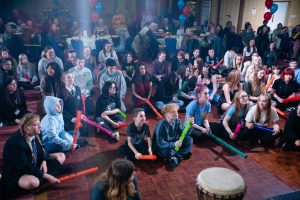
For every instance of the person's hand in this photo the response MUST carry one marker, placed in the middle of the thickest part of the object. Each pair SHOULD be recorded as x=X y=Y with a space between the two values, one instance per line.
x=137 y=155
x=44 y=167
x=73 y=120
x=231 y=135
x=51 y=179
x=280 y=100
x=73 y=147
x=192 y=97
x=124 y=74
x=115 y=125
x=17 y=121
x=150 y=151
x=174 y=98
x=210 y=98
x=144 y=99
x=250 y=126
x=276 y=130
x=191 y=119
x=297 y=143
x=205 y=131
x=158 y=77
x=178 y=143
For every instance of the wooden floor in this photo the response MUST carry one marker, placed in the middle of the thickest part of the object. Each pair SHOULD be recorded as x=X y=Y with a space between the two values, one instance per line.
x=267 y=172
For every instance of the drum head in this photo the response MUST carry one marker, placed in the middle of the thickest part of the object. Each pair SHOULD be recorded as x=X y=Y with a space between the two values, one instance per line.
x=221 y=182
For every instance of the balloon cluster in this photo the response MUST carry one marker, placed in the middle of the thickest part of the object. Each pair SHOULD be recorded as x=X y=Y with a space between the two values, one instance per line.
x=185 y=11
x=273 y=8
x=97 y=6
x=56 y=12
x=56 y=2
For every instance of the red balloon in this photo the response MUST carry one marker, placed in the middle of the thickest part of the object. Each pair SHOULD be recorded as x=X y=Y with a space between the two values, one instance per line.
x=186 y=10
x=268 y=3
x=95 y=17
x=92 y=3
x=267 y=16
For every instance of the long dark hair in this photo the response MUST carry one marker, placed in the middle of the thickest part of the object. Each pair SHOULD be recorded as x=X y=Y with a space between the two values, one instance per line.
x=57 y=78
x=173 y=79
x=248 y=46
x=106 y=86
x=137 y=77
x=6 y=95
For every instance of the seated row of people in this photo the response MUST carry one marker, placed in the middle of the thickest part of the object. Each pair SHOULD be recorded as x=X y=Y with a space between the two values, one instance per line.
x=165 y=139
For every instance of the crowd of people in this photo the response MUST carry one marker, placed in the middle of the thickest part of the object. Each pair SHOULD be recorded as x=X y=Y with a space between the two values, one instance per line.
x=246 y=89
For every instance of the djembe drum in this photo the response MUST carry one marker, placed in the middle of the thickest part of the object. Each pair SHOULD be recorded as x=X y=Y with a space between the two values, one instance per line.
x=220 y=183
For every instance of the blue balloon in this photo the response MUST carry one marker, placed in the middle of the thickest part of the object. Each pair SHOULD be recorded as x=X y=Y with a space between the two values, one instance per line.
x=56 y=2
x=181 y=18
x=180 y=4
x=98 y=7
x=274 y=8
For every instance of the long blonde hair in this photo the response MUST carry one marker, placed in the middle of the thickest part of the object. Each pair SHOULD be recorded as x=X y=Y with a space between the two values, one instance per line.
x=258 y=84
x=258 y=111
x=233 y=79
x=117 y=180
x=237 y=105
x=26 y=121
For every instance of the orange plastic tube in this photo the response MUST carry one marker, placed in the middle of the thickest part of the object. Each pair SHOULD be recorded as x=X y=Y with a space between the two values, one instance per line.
x=77 y=126
x=121 y=125
x=218 y=64
x=282 y=114
x=147 y=157
x=77 y=174
x=269 y=84
x=154 y=109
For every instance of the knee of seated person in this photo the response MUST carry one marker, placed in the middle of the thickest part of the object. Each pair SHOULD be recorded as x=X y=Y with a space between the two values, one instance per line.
x=188 y=140
x=60 y=157
x=31 y=183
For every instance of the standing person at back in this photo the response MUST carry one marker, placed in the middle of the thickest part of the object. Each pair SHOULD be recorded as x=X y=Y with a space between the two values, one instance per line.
x=112 y=74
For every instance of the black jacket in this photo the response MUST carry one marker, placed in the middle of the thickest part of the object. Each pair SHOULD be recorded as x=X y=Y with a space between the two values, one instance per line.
x=18 y=161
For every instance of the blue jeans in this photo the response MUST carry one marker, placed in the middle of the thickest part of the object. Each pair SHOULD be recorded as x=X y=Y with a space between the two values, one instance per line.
x=52 y=147
x=215 y=97
x=186 y=147
x=160 y=104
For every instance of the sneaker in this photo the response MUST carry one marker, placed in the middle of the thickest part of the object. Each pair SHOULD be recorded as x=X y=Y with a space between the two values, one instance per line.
x=82 y=143
x=173 y=162
x=116 y=136
x=187 y=156
x=286 y=147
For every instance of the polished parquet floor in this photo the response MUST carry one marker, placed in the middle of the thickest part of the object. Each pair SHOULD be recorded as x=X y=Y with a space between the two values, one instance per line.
x=267 y=172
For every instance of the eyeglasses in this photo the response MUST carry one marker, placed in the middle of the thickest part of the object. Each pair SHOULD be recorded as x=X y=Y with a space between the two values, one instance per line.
x=244 y=97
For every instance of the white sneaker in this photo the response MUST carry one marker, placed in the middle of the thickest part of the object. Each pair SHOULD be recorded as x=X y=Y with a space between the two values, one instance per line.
x=116 y=135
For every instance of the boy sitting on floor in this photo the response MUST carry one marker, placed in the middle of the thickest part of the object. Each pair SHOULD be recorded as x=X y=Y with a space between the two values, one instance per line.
x=135 y=144
x=166 y=137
